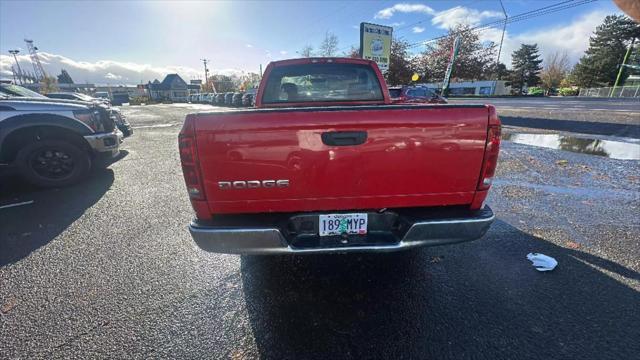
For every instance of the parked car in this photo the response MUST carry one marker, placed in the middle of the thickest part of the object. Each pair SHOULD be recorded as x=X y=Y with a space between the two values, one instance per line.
x=228 y=99
x=193 y=98
x=415 y=94
x=207 y=98
x=76 y=96
x=237 y=99
x=329 y=166
x=220 y=99
x=248 y=98
x=121 y=122
x=15 y=90
x=102 y=95
x=55 y=143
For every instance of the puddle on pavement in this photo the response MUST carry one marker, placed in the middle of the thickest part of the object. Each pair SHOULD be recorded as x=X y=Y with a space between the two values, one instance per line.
x=611 y=149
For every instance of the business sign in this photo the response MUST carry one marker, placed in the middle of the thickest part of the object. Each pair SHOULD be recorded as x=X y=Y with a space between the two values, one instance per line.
x=375 y=44
x=452 y=59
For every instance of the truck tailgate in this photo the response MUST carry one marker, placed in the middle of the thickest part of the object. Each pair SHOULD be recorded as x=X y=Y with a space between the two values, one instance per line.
x=370 y=157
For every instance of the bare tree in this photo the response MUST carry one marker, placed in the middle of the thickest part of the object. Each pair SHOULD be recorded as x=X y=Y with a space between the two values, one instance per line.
x=307 y=51
x=556 y=67
x=353 y=52
x=329 y=46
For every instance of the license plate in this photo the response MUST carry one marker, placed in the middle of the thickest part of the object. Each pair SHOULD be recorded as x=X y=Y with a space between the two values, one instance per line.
x=338 y=224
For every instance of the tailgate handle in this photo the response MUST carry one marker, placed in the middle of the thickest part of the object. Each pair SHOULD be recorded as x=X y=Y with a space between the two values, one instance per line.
x=344 y=138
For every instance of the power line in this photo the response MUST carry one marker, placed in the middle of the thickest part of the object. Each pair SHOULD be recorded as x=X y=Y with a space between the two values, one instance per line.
x=516 y=18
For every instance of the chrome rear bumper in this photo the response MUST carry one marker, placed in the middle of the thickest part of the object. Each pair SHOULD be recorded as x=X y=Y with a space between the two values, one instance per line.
x=270 y=240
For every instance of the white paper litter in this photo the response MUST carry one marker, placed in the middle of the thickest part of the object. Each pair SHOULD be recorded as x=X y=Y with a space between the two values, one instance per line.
x=542 y=262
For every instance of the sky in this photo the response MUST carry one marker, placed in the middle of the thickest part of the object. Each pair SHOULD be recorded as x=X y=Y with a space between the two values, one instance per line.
x=126 y=42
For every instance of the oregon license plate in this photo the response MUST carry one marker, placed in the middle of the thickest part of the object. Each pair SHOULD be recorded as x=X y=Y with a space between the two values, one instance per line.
x=338 y=224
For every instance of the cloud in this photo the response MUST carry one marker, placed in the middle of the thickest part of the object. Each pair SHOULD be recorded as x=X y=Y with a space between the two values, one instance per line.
x=396 y=24
x=417 y=29
x=283 y=52
x=461 y=15
x=249 y=45
x=572 y=38
x=111 y=76
x=387 y=13
x=102 y=71
x=357 y=27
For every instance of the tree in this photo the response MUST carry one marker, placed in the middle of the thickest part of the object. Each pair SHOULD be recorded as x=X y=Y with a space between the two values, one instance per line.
x=496 y=72
x=555 y=70
x=64 y=77
x=474 y=61
x=354 y=52
x=307 y=51
x=525 y=67
x=329 y=45
x=400 y=66
x=48 y=85
x=222 y=83
x=600 y=64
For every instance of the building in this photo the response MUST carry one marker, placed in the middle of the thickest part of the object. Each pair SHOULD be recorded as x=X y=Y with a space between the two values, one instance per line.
x=473 y=88
x=172 y=88
x=132 y=91
x=194 y=86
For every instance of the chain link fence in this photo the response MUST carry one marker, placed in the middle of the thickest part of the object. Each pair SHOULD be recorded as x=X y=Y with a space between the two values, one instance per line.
x=620 y=92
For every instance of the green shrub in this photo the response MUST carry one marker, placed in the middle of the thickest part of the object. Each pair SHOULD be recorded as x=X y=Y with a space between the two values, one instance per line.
x=535 y=91
x=567 y=91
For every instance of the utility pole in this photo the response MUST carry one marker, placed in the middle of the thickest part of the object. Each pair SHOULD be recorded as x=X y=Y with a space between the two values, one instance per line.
x=14 y=53
x=504 y=28
x=206 y=73
x=624 y=61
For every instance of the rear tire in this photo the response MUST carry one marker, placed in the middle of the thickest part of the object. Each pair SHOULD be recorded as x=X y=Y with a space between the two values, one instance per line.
x=53 y=163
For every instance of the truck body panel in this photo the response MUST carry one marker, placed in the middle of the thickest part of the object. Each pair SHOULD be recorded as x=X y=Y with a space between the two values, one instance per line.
x=412 y=156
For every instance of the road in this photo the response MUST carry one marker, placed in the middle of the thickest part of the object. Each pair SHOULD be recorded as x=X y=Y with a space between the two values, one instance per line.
x=597 y=116
x=107 y=269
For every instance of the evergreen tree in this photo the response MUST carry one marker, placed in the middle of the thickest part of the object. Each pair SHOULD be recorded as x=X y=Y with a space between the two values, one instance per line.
x=600 y=64
x=64 y=77
x=525 y=68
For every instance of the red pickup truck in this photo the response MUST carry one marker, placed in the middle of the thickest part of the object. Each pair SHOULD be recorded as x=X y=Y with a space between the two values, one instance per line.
x=326 y=163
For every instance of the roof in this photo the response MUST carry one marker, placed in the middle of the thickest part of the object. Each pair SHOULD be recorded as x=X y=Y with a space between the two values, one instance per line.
x=167 y=82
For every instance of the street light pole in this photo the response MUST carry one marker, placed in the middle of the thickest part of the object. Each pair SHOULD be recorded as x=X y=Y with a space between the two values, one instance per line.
x=504 y=28
x=14 y=53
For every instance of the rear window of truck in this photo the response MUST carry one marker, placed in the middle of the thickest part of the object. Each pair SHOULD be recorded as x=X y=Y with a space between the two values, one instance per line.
x=321 y=83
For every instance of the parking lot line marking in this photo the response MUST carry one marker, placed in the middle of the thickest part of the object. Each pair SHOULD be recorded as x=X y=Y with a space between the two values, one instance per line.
x=17 y=204
x=154 y=126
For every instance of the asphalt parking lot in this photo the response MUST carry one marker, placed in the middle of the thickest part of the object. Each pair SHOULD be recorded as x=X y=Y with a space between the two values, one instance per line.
x=107 y=269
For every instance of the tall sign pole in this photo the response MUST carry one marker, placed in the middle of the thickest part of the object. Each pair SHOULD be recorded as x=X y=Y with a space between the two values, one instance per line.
x=624 y=61
x=452 y=59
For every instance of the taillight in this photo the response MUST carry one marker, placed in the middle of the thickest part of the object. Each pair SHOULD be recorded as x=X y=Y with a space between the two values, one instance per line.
x=189 y=160
x=491 y=150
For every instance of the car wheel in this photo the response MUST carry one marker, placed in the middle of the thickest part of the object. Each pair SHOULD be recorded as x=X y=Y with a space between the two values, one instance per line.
x=53 y=163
